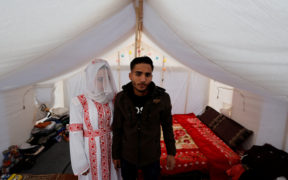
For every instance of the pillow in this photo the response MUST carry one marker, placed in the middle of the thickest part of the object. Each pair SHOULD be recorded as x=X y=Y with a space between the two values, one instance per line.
x=208 y=115
x=59 y=111
x=231 y=132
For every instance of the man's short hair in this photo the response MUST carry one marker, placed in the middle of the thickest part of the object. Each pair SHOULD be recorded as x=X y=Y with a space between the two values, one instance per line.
x=139 y=60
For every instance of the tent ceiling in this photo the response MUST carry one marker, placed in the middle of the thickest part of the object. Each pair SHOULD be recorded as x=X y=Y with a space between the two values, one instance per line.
x=246 y=38
x=72 y=52
x=31 y=29
x=241 y=43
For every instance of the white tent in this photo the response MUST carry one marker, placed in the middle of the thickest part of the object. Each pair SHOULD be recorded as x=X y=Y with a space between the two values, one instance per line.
x=243 y=44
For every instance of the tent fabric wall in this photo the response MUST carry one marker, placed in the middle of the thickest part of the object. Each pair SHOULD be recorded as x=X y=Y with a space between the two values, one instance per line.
x=246 y=109
x=16 y=122
x=45 y=95
x=267 y=117
x=264 y=116
x=175 y=82
x=273 y=123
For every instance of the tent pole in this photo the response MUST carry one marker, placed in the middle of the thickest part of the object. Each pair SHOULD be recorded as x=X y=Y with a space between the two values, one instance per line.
x=136 y=34
x=138 y=6
x=118 y=69
x=187 y=91
x=284 y=143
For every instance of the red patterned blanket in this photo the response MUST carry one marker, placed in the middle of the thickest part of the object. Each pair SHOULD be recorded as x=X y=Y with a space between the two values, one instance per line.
x=198 y=148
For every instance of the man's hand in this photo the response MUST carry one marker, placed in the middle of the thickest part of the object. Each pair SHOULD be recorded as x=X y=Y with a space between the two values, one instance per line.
x=170 y=162
x=86 y=172
x=116 y=163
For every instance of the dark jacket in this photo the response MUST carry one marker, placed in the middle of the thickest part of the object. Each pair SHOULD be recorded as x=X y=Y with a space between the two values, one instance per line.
x=138 y=142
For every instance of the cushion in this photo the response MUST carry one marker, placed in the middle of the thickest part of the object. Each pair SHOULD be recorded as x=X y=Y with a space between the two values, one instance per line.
x=208 y=115
x=59 y=111
x=231 y=132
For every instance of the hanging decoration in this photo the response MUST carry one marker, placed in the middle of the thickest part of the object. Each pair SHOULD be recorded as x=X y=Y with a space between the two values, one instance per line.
x=163 y=70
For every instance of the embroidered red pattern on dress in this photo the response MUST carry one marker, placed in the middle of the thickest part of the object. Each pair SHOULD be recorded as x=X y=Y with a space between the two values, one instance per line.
x=108 y=114
x=108 y=119
x=92 y=143
x=103 y=132
x=102 y=117
x=75 y=127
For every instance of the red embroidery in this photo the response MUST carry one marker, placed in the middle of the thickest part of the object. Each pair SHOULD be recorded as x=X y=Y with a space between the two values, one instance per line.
x=109 y=143
x=75 y=127
x=103 y=116
x=84 y=103
x=92 y=143
x=103 y=132
x=108 y=114
x=95 y=133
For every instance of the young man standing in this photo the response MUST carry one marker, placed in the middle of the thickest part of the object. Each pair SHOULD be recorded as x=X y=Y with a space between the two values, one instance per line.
x=139 y=111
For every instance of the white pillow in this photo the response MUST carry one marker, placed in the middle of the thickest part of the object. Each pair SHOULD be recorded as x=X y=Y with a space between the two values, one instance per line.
x=59 y=111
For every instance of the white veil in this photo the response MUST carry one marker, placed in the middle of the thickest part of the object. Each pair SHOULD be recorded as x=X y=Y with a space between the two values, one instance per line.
x=100 y=84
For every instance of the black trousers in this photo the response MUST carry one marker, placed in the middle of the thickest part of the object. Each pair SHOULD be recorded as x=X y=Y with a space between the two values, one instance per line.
x=130 y=171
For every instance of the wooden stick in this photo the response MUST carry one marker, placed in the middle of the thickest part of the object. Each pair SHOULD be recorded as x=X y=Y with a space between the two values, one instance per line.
x=187 y=92
x=119 y=74
x=138 y=6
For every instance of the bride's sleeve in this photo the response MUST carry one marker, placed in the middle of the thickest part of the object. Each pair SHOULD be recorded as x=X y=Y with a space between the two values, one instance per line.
x=79 y=161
